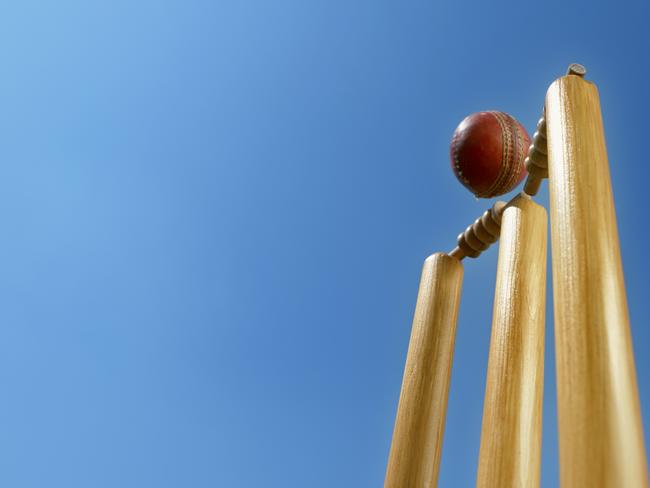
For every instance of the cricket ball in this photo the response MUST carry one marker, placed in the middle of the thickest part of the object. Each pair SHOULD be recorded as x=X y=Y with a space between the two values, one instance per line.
x=487 y=153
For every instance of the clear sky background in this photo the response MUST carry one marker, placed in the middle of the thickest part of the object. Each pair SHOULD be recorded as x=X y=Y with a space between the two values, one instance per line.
x=214 y=216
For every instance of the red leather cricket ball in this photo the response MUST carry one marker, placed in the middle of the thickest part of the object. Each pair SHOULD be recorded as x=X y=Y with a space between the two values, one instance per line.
x=487 y=153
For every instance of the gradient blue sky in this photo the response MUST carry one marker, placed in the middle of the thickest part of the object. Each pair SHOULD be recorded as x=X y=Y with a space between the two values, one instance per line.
x=214 y=216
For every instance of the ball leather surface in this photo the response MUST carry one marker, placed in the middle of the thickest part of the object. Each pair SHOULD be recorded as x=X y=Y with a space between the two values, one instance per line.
x=487 y=153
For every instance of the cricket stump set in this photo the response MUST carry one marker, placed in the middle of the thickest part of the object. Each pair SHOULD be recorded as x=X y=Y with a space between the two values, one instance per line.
x=599 y=418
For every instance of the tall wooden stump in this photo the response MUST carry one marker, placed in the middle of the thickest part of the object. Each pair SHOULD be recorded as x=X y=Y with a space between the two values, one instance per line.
x=417 y=438
x=600 y=430
x=511 y=437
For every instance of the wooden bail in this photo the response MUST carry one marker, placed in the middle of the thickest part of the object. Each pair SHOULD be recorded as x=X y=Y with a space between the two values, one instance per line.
x=511 y=437
x=417 y=438
x=537 y=159
x=481 y=234
x=599 y=418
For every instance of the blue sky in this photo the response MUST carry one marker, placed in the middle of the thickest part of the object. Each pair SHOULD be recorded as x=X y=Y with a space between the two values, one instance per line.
x=214 y=216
